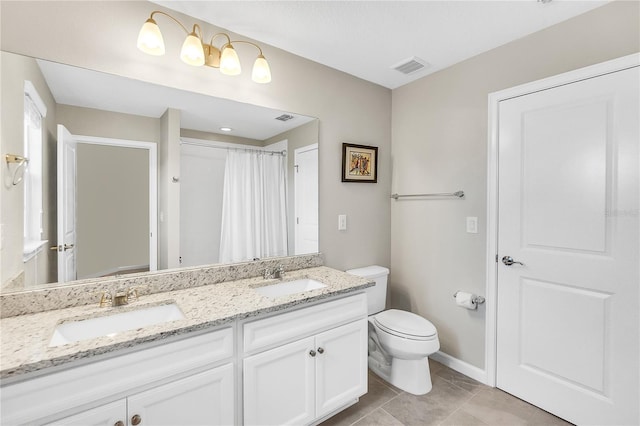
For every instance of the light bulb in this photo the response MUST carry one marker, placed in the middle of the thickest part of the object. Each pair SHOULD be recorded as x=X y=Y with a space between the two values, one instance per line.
x=229 y=62
x=192 y=52
x=150 y=38
x=261 y=72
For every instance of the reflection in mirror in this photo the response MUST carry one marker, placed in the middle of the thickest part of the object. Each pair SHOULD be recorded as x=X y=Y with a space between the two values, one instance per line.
x=222 y=196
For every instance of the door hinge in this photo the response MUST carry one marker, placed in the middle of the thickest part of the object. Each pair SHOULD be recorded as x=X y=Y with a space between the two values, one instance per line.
x=496 y=257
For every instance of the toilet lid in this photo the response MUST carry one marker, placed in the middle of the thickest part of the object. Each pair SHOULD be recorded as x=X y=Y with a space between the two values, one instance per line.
x=405 y=323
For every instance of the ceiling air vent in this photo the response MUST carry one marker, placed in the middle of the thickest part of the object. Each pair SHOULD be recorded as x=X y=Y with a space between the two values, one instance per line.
x=285 y=117
x=411 y=65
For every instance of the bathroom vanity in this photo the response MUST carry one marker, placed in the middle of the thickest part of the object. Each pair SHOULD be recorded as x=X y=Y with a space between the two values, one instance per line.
x=237 y=357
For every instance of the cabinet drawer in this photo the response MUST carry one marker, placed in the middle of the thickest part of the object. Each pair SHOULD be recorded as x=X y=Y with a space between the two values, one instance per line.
x=282 y=328
x=40 y=397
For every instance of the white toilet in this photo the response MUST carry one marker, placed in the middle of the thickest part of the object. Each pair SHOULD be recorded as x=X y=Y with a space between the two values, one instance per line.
x=399 y=341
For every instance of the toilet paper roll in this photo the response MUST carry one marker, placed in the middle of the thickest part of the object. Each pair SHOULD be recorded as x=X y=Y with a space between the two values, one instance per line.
x=466 y=300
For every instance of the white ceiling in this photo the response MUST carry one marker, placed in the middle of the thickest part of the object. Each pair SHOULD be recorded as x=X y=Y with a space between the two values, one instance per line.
x=368 y=38
x=92 y=89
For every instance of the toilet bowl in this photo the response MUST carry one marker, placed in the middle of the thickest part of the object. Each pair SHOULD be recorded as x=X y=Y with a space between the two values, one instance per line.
x=399 y=341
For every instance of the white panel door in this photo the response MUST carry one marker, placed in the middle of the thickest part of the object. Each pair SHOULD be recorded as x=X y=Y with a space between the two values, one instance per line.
x=67 y=161
x=341 y=366
x=279 y=385
x=568 y=323
x=306 y=199
x=205 y=398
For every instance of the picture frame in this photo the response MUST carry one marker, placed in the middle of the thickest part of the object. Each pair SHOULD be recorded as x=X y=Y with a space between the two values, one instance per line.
x=359 y=163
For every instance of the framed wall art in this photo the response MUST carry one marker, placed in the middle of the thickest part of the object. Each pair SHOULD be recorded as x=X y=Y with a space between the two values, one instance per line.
x=359 y=163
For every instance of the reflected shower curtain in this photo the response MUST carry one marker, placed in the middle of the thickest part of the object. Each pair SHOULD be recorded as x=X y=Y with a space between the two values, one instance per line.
x=254 y=207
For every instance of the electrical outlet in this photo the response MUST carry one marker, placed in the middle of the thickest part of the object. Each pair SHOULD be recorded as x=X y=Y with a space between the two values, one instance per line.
x=342 y=222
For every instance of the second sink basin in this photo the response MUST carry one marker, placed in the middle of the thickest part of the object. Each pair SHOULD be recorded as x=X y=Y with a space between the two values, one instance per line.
x=110 y=325
x=287 y=288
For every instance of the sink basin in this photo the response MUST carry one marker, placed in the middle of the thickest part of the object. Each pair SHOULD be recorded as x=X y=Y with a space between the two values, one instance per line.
x=110 y=325
x=287 y=288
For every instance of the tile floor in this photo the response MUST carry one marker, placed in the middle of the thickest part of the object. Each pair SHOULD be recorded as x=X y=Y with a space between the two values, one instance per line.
x=454 y=400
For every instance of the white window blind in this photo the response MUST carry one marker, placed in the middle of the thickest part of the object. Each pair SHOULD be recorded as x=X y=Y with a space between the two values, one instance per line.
x=33 y=181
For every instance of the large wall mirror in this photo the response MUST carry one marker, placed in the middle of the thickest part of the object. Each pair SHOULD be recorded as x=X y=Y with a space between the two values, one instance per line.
x=136 y=177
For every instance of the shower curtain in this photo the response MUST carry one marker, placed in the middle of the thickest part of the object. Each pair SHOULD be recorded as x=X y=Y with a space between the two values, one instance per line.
x=254 y=207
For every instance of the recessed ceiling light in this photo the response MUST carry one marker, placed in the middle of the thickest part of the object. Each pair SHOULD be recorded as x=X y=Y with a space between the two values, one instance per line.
x=226 y=129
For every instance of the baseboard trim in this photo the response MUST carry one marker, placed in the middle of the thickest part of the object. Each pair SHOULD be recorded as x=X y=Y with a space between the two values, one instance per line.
x=460 y=366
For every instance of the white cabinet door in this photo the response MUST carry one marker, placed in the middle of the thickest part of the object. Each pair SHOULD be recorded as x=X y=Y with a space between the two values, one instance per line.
x=279 y=385
x=202 y=399
x=341 y=366
x=105 y=415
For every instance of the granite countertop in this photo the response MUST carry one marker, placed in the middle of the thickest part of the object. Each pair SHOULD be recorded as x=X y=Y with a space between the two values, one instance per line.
x=25 y=338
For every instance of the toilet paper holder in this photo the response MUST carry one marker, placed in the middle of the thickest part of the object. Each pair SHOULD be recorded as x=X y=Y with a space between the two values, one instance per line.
x=478 y=300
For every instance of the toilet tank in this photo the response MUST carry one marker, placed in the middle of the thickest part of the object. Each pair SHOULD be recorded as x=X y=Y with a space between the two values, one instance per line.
x=376 y=295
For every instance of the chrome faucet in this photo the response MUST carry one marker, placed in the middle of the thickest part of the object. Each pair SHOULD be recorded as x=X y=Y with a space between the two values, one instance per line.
x=279 y=271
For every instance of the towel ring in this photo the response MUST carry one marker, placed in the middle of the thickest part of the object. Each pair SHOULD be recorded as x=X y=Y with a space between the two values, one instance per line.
x=21 y=166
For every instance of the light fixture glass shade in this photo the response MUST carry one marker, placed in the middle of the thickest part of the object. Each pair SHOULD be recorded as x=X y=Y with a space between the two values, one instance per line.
x=192 y=52
x=150 y=38
x=229 y=62
x=261 y=72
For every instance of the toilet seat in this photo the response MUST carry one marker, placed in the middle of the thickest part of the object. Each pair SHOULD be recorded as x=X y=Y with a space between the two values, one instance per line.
x=405 y=324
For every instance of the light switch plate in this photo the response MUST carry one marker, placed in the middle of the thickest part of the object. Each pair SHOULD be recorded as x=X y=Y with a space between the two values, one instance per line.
x=342 y=222
x=472 y=225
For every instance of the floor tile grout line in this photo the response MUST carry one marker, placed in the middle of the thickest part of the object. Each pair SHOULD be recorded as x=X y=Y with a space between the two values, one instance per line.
x=377 y=406
x=392 y=416
x=475 y=392
x=382 y=408
x=462 y=404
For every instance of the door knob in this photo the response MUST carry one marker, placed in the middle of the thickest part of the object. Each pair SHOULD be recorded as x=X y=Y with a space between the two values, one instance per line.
x=508 y=260
x=61 y=247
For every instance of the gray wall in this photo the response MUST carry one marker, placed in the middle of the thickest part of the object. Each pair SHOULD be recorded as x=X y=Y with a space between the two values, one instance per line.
x=304 y=135
x=440 y=145
x=15 y=70
x=349 y=109
x=218 y=137
x=112 y=215
x=107 y=124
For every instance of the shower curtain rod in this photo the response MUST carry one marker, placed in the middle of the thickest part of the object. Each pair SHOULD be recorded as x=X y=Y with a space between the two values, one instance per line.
x=206 y=145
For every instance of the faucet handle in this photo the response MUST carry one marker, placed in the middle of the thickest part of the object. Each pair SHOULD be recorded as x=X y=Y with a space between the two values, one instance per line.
x=267 y=274
x=106 y=298
x=279 y=272
x=132 y=294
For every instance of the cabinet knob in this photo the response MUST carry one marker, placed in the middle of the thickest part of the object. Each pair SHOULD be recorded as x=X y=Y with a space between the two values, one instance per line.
x=320 y=350
x=312 y=352
x=136 y=420
x=119 y=423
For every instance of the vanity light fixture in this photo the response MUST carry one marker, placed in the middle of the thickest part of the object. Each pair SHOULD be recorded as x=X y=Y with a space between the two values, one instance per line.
x=197 y=53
